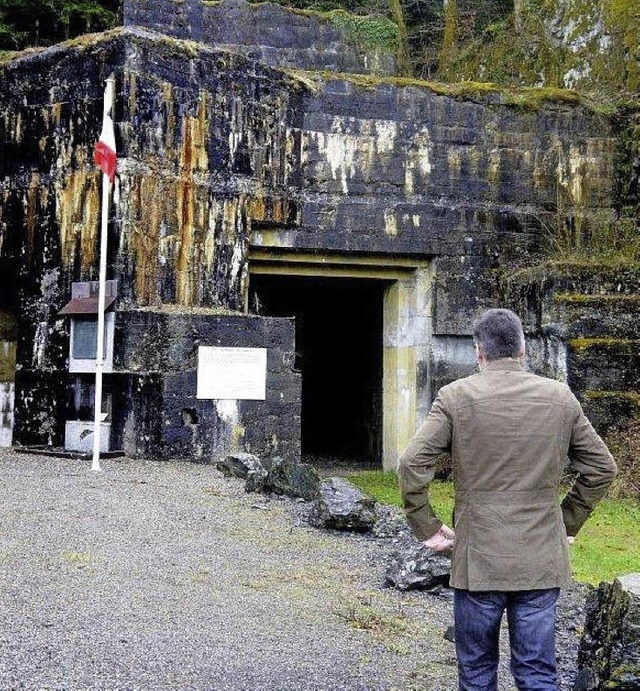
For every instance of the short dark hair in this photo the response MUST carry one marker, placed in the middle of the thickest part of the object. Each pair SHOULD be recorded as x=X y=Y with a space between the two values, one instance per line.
x=498 y=333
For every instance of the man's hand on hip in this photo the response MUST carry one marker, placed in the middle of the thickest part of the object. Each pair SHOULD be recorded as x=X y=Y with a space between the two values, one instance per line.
x=441 y=541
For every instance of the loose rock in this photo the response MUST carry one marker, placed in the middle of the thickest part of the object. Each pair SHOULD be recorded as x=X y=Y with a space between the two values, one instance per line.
x=239 y=465
x=391 y=523
x=291 y=478
x=342 y=506
x=419 y=568
x=256 y=480
x=610 y=645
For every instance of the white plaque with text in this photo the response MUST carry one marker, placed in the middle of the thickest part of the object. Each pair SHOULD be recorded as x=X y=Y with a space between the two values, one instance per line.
x=232 y=373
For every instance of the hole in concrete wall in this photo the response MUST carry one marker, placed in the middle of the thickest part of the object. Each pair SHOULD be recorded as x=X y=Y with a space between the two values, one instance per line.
x=189 y=417
x=339 y=351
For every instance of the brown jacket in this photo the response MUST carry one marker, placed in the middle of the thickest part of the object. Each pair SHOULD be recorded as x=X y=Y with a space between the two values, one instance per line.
x=509 y=433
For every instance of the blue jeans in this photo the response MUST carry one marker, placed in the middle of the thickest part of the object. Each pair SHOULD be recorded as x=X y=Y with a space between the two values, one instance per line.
x=531 y=615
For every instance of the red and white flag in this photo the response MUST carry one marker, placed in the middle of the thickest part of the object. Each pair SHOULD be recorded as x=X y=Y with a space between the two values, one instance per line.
x=105 y=151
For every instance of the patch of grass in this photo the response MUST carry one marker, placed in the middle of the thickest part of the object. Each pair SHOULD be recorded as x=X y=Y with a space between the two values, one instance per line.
x=79 y=559
x=603 y=549
x=362 y=616
x=383 y=487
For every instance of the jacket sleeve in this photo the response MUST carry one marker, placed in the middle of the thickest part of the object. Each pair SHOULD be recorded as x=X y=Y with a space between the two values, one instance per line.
x=417 y=469
x=595 y=468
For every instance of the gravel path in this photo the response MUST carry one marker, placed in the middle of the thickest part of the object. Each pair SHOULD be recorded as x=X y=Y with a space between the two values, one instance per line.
x=167 y=576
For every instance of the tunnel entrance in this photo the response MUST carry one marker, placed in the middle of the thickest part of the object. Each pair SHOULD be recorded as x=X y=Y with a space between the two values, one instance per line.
x=339 y=351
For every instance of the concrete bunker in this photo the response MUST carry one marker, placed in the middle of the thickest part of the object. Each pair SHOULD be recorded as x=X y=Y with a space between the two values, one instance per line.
x=422 y=196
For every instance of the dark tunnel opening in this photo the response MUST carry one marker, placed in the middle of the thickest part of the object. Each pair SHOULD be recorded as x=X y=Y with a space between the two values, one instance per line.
x=339 y=352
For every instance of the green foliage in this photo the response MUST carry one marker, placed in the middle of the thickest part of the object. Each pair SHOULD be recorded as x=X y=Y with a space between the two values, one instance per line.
x=603 y=549
x=590 y=43
x=506 y=56
x=368 y=32
x=602 y=237
x=43 y=22
x=403 y=51
x=450 y=37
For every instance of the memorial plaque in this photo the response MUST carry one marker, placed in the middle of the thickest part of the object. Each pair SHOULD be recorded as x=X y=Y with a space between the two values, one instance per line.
x=232 y=373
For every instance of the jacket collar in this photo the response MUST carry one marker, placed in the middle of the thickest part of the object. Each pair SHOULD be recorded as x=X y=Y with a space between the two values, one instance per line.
x=505 y=364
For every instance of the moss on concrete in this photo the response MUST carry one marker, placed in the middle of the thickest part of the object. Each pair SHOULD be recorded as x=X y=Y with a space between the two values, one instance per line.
x=610 y=345
x=624 y=299
x=631 y=396
x=592 y=44
x=598 y=267
x=486 y=93
x=81 y=42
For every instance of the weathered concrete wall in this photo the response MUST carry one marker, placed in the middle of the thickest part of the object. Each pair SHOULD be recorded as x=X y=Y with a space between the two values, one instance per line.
x=474 y=181
x=205 y=144
x=276 y=35
x=585 y=319
x=158 y=353
x=218 y=152
x=203 y=151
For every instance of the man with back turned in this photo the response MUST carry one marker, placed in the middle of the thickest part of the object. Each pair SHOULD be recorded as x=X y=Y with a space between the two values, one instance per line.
x=509 y=433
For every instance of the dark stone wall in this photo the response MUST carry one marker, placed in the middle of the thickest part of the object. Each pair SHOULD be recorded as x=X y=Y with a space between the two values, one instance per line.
x=474 y=182
x=267 y=32
x=163 y=348
x=584 y=316
x=206 y=145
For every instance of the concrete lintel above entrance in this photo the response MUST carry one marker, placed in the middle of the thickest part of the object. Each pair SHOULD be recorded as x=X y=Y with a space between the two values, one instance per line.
x=406 y=325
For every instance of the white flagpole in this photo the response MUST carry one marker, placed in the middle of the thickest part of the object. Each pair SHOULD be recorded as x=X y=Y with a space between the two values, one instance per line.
x=106 y=190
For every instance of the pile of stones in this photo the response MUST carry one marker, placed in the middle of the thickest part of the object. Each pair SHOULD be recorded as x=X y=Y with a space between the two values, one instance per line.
x=609 y=650
x=337 y=504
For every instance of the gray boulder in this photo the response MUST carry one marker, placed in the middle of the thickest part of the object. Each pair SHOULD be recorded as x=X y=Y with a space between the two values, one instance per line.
x=256 y=480
x=239 y=465
x=419 y=568
x=292 y=479
x=609 y=656
x=342 y=506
